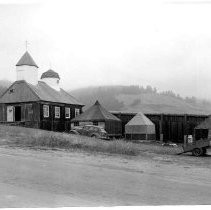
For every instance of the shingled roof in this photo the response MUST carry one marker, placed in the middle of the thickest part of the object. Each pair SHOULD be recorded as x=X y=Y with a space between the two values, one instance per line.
x=50 y=74
x=21 y=91
x=140 y=119
x=95 y=113
x=140 y=124
x=26 y=59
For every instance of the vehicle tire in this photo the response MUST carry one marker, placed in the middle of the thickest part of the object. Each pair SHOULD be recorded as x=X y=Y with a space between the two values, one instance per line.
x=197 y=152
x=204 y=151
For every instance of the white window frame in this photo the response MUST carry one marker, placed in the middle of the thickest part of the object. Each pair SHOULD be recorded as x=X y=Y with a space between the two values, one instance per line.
x=77 y=112
x=67 y=112
x=45 y=111
x=57 y=112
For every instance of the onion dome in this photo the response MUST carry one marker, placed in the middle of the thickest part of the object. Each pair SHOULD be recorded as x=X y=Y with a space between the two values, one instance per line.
x=27 y=60
x=50 y=74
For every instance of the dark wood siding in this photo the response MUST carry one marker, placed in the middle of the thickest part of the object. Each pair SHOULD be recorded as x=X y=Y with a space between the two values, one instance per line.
x=52 y=123
x=32 y=115
x=29 y=114
x=57 y=124
x=171 y=127
x=113 y=128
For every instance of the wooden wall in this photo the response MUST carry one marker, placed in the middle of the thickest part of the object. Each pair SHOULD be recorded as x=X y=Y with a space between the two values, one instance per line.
x=29 y=114
x=169 y=127
x=32 y=116
x=57 y=124
x=113 y=128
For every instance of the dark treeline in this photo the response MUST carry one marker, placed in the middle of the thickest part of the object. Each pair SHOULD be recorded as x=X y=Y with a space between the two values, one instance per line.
x=107 y=95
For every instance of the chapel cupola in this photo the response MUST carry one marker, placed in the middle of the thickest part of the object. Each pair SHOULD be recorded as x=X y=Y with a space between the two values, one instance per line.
x=27 y=69
x=51 y=78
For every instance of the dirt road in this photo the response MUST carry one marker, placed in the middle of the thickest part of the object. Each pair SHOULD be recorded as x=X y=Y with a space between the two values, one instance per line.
x=34 y=178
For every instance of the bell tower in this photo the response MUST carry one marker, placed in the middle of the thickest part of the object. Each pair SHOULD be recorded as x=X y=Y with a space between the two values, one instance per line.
x=27 y=69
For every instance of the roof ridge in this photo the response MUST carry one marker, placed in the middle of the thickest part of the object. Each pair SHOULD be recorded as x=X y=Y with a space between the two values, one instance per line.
x=32 y=90
x=61 y=89
x=105 y=110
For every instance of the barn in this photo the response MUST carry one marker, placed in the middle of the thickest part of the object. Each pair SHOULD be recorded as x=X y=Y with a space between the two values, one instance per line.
x=140 y=128
x=98 y=115
x=37 y=104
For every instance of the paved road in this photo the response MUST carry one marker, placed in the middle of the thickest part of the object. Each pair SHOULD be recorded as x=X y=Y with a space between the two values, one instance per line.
x=31 y=178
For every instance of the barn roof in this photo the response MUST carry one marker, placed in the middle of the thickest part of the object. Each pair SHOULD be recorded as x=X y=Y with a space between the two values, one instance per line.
x=50 y=74
x=139 y=119
x=26 y=59
x=206 y=124
x=21 y=91
x=95 y=113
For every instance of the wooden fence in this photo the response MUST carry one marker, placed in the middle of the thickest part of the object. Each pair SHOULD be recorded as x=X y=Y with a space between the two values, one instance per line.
x=169 y=127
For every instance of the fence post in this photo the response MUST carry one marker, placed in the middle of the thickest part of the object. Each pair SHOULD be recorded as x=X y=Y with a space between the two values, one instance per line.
x=161 y=127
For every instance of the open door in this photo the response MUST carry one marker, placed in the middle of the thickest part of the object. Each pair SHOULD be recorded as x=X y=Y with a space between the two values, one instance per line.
x=17 y=113
x=10 y=113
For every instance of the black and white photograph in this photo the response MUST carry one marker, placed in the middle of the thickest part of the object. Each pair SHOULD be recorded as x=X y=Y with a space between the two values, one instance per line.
x=105 y=103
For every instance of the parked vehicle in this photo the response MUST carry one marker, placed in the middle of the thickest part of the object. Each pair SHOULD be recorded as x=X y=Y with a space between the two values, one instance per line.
x=91 y=131
x=197 y=147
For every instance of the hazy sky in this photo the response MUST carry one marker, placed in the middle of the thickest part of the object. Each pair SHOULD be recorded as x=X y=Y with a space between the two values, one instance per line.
x=166 y=44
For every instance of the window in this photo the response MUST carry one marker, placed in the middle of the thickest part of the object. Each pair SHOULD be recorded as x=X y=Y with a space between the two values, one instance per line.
x=76 y=123
x=77 y=112
x=57 y=112
x=45 y=110
x=95 y=123
x=67 y=112
x=11 y=91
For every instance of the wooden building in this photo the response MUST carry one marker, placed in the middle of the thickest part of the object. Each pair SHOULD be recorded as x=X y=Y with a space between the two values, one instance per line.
x=203 y=130
x=98 y=115
x=168 y=127
x=37 y=104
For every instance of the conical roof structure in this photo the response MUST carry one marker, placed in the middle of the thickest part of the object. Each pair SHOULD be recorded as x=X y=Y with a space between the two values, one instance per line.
x=95 y=113
x=140 y=119
x=26 y=59
x=140 y=124
x=50 y=74
x=206 y=124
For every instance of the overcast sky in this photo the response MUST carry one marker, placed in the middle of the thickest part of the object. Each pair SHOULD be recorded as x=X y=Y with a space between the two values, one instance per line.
x=166 y=44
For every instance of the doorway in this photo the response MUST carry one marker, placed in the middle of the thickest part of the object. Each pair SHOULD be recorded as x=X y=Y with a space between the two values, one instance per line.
x=17 y=113
x=10 y=113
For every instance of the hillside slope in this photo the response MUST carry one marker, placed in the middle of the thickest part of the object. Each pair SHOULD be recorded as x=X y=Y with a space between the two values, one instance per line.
x=135 y=99
x=4 y=84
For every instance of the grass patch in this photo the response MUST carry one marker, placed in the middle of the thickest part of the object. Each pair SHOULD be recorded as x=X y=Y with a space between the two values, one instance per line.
x=28 y=137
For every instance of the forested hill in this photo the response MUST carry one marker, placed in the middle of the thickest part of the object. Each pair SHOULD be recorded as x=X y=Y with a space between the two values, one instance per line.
x=137 y=98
